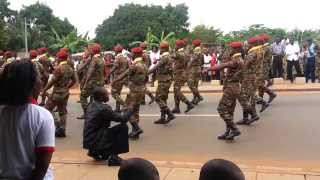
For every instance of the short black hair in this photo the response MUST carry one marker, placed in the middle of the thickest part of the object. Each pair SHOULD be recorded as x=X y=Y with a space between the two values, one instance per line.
x=220 y=169
x=138 y=169
x=17 y=82
x=98 y=92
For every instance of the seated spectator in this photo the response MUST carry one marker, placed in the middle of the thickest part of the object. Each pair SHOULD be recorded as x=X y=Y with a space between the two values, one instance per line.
x=219 y=169
x=102 y=141
x=138 y=169
x=26 y=130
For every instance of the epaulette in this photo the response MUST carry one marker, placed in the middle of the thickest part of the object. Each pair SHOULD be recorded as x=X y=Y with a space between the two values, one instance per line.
x=256 y=48
x=236 y=55
x=165 y=54
x=96 y=55
x=137 y=60
x=63 y=63
x=181 y=50
x=197 y=50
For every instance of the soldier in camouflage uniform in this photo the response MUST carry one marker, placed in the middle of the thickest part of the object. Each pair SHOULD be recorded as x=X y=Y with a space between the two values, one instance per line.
x=147 y=60
x=163 y=71
x=248 y=84
x=120 y=65
x=194 y=70
x=63 y=79
x=94 y=76
x=232 y=66
x=180 y=77
x=266 y=67
x=138 y=77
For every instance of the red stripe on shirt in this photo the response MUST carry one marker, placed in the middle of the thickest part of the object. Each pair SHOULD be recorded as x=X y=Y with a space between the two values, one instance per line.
x=32 y=100
x=44 y=149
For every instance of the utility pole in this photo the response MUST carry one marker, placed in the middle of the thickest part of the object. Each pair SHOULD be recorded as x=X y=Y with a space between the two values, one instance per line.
x=25 y=35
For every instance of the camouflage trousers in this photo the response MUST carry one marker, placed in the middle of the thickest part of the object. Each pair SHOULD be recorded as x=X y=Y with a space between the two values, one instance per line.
x=133 y=100
x=86 y=93
x=178 y=95
x=116 y=92
x=262 y=88
x=59 y=102
x=247 y=94
x=193 y=82
x=227 y=104
x=162 y=93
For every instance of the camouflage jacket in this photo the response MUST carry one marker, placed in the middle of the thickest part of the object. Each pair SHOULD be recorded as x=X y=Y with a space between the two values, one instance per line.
x=180 y=64
x=63 y=74
x=198 y=59
x=234 y=71
x=253 y=61
x=164 y=70
x=137 y=74
x=146 y=58
x=120 y=64
x=96 y=69
x=40 y=69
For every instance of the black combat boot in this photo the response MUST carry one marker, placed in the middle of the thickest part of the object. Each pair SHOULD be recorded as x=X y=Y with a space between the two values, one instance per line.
x=244 y=119
x=200 y=98
x=176 y=109
x=60 y=132
x=225 y=134
x=254 y=118
x=162 y=119
x=136 y=131
x=171 y=116
x=152 y=98
x=233 y=133
x=264 y=106
x=272 y=97
x=189 y=106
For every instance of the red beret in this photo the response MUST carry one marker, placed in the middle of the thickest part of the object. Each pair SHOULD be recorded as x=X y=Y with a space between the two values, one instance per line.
x=65 y=50
x=33 y=54
x=143 y=45
x=164 y=45
x=196 y=42
x=95 y=48
x=1 y=53
x=8 y=54
x=136 y=50
x=118 y=48
x=253 y=40
x=62 y=55
x=236 y=44
x=264 y=36
x=42 y=50
x=180 y=42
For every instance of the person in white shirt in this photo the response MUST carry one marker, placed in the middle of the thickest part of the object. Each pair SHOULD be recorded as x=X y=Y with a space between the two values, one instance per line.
x=26 y=130
x=207 y=64
x=292 y=53
x=154 y=57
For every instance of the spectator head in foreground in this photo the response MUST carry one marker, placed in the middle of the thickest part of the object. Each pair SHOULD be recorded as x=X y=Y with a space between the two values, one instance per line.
x=138 y=169
x=100 y=94
x=19 y=82
x=219 y=169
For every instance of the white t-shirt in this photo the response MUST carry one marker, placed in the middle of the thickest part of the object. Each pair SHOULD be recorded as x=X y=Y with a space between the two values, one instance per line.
x=292 y=52
x=24 y=130
x=207 y=61
x=154 y=57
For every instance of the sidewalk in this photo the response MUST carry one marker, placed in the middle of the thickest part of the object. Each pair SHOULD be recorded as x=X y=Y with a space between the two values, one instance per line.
x=175 y=171
x=214 y=87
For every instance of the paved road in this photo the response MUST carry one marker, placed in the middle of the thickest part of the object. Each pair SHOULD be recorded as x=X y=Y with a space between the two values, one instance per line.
x=287 y=135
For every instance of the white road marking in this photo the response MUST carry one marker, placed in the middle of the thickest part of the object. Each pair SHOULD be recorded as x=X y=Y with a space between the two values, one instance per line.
x=182 y=115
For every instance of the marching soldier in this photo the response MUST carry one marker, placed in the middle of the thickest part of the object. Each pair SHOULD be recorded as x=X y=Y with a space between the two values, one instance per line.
x=231 y=89
x=194 y=70
x=266 y=69
x=138 y=77
x=180 y=77
x=163 y=71
x=63 y=79
x=120 y=65
x=147 y=60
x=248 y=87
x=94 y=76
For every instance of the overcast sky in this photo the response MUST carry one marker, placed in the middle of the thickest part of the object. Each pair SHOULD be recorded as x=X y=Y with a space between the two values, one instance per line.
x=227 y=15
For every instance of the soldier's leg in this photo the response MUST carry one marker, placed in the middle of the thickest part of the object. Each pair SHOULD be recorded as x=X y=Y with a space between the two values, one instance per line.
x=151 y=96
x=225 y=109
x=182 y=97
x=43 y=97
x=177 y=97
x=62 y=110
x=84 y=94
x=116 y=94
x=161 y=98
x=134 y=119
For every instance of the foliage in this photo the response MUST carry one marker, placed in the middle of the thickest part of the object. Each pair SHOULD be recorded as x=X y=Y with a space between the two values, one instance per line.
x=72 y=41
x=208 y=35
x=131 y=22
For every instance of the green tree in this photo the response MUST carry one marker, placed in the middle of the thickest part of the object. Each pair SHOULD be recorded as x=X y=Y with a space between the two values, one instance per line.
x=208 y=35
x=130 y=22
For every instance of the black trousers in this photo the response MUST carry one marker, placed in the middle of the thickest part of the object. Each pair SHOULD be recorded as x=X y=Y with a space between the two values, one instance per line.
x=310 y=69
x=296 y=65
x=114 y=140
x=277 y=66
